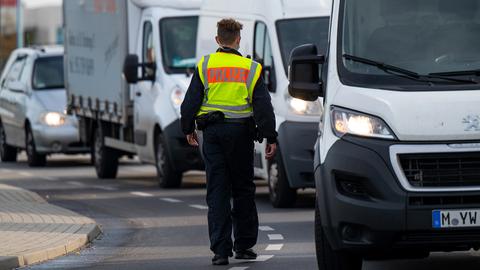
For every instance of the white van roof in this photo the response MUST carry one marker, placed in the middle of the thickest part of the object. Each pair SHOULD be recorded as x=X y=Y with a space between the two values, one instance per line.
x=270 y=8
x=175 y=4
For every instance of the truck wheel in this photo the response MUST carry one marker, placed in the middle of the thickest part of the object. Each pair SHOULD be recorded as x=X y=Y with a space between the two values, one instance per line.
x=327 y=258
x=105 y=158
x=281 y=194
x=33 y=157
x=7 y=153
x=166 y=174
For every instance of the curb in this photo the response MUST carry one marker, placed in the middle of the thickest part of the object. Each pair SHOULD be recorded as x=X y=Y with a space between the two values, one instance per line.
x=89 y=233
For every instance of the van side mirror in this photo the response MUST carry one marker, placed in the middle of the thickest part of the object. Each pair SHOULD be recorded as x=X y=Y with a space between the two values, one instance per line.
x=304 y=75
x=17 y=86
x=130 y=70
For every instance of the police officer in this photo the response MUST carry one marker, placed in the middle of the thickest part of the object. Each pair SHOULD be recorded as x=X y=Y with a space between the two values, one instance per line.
x=231 y=105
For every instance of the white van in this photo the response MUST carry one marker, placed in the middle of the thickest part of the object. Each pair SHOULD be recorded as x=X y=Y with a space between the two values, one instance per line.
x=271 y=29
x=143 y=119
x=397 y=161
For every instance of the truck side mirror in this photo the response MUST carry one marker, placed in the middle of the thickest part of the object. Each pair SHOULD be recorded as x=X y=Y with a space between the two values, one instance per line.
x=130 y=70
x=304 y=75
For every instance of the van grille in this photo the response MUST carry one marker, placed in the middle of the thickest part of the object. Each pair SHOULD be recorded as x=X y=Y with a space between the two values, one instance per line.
x=442 y=169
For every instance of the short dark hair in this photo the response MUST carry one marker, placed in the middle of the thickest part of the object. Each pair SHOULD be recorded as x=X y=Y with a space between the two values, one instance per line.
x=228 y=30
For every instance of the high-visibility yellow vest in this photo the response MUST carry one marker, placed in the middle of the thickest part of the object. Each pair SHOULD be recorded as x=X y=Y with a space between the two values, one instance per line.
x=229 y=80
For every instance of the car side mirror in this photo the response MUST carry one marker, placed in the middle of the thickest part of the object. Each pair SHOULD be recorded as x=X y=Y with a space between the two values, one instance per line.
x=17 y=86
x=304 y=75
x=130 y=70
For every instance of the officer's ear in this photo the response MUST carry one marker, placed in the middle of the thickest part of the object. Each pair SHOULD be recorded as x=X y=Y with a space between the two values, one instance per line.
x=218 y=41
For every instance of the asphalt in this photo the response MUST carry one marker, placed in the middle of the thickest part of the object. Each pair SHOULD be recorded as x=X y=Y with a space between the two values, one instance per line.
x=145 y=227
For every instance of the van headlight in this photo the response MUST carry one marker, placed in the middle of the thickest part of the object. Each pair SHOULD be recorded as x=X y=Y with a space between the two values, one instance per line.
x=355 y=123
x=53 y=119
x=177 y=97
x=302 y=107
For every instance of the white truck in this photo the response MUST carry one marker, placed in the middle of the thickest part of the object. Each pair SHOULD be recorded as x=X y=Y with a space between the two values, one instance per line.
x=397 y=159
x=272 y=28
x=143 y=119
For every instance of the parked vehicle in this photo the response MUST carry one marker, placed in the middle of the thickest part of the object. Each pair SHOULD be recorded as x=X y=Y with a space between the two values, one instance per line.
x=271 y=30
x=32 y=107
x=142 y=119
x=397 y=160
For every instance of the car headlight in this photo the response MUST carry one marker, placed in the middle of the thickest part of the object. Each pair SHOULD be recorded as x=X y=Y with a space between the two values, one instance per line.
x=350 y=122
x=177 y=97
x=302 y=107
x=54 y=119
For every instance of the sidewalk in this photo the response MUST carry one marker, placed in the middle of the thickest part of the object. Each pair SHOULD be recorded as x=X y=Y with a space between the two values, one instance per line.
x=32 y=230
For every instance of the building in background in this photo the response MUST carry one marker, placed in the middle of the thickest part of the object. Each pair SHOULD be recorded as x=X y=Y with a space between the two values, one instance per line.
x=42 y=24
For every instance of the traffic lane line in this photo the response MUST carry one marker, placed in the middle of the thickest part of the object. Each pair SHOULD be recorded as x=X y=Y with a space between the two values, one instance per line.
x=198 y=206
x=238 y=268
x=266 y=229
x=171 y=200
x=274 y=247
x=262 y=258
x=275 y=237
x=141 y=194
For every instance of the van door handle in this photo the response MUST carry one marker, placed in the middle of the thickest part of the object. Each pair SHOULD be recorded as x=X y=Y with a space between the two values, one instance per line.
x=138 y=94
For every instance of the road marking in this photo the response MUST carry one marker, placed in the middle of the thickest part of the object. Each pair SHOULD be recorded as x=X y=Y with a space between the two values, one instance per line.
x=27 y=174
x=48 y=178
x=263 y=258
x=238 y=268
x=75 y=183
x=275 y=247
x=266 y=228
x=6 y=170
x=197 y=206
x=275 y=237
x=107 y=188
x=141 y=194
x=170 y=200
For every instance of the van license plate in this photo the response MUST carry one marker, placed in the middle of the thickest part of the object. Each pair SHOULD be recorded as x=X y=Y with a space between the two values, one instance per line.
x=455 y=218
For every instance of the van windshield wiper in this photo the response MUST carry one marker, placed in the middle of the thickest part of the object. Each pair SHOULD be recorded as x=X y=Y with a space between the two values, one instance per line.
x=405 y=73
x=475 y=72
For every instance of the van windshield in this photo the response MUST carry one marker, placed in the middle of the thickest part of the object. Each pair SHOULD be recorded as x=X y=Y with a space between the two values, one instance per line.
x=178 y=36
x=295 y=32
x=48 y=73
x=424 y=37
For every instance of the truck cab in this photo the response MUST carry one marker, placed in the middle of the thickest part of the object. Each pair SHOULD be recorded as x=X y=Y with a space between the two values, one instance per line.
x=397 y=158
x=137 y=113
x=271 y=29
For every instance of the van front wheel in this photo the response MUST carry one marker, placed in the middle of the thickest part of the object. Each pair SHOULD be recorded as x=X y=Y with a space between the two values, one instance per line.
x=166 y=174
x=327 y=258
x=281 y=194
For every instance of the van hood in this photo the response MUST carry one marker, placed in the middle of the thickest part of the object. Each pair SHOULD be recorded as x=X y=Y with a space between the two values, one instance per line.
x=419 y=116
x=52 y=100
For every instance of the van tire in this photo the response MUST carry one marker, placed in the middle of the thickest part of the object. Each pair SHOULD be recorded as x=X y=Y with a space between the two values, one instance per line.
x=105 y=159
x=33 y=157
x=327 y=258
x=281 y=194
x=7 y=153
x=167 y=176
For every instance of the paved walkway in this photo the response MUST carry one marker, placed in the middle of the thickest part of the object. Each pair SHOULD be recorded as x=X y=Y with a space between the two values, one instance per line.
x=32 y=230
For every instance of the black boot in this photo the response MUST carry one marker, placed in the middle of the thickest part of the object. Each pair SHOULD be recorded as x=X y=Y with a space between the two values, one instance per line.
x=247 y=254
x=219 y=260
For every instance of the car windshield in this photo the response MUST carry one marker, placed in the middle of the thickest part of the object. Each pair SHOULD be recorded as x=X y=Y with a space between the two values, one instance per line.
x=178 y=38
x=48 y=73
x=421 y=36
x=295 y=32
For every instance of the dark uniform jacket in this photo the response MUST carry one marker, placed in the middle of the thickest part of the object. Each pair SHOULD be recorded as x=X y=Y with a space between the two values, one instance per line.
x=261 y=101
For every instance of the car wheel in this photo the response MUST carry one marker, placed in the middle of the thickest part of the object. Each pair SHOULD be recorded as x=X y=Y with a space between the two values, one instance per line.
x=281 y=194
x=33 y=157
x=105 y=159
x=166 y=174
x=327 y=258
x=7 y=153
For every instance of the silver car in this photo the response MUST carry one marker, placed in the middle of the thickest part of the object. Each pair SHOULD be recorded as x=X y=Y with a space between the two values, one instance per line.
x=33 y=107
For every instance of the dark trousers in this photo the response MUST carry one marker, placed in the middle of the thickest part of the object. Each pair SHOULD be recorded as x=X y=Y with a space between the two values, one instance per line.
x=228 y=150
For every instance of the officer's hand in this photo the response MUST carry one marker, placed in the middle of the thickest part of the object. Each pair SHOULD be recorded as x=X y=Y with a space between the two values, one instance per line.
x=270 y=150
x=193 y=139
